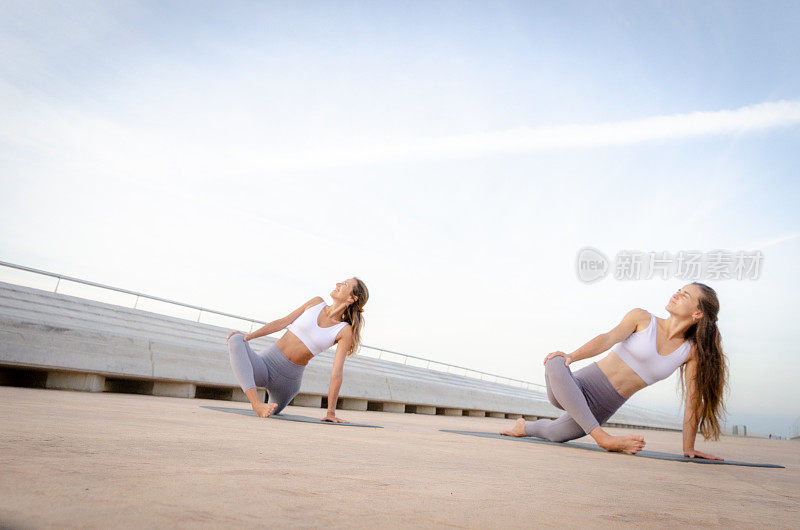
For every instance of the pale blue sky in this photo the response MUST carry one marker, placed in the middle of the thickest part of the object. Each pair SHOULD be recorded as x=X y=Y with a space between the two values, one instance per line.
x=454 y=155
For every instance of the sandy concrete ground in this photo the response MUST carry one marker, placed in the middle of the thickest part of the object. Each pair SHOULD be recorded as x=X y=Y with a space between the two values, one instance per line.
x=74 y=459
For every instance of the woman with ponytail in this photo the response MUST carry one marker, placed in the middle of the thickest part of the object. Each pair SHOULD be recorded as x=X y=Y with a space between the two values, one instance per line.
x=704 y=376
x=644 y=349
x=311 y=328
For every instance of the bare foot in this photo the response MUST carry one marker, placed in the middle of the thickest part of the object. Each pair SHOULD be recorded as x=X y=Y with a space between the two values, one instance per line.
x=264 y=409
x=622 y=444
x=517 y=430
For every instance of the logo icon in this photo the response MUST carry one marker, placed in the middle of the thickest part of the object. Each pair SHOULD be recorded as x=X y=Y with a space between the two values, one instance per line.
x=591 y=265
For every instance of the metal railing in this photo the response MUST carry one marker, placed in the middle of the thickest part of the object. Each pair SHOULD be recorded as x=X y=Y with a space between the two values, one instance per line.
x=429 y=364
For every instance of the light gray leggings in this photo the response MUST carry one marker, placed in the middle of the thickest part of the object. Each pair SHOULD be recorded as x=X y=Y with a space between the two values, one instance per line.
x=587 y=396
x=269 y=368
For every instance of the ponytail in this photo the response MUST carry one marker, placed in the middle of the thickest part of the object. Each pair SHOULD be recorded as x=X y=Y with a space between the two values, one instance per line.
x=354 y=314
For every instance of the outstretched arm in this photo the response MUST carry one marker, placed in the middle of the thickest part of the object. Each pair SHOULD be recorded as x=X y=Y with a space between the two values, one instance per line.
x=691 y=417
x=604 y=342
x=277 y=325
x=337 y=373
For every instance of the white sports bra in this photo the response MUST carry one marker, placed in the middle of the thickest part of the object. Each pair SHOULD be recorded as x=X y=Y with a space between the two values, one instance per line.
x=639 y=352
x=316 y=338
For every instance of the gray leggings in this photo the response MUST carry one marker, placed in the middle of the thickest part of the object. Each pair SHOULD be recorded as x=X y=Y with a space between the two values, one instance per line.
x=588 y=397
x=269 y=368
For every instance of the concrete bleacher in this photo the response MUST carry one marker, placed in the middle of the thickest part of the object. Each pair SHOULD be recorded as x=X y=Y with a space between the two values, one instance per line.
x=67 y=342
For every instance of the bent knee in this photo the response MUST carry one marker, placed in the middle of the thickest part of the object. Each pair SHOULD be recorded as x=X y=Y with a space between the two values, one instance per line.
x=555 y=363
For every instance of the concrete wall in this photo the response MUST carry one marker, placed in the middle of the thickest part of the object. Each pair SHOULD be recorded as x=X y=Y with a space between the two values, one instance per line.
x=89 y=345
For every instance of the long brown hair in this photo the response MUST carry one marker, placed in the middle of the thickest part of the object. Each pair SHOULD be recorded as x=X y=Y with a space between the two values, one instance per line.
x=711 y=377
x=354 y=316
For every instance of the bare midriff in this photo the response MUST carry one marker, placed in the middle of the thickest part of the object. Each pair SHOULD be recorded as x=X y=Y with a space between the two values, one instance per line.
x=620 y=375
x=294 y=349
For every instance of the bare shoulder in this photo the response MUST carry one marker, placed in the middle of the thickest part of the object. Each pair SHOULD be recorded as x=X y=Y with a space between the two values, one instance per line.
x=291 y=317
x=634 y=320
x=346 y=333
x=315 y=301
x=640 y=317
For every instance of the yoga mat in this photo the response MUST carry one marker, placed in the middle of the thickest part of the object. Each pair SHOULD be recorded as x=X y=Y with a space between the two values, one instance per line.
x=289 y=417
x=591 y=447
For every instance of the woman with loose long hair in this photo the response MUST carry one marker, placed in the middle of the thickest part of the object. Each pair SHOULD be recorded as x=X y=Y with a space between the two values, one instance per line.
x=311 y=328
x=644 y=349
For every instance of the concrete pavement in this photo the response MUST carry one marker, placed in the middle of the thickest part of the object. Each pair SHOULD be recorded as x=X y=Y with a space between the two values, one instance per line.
x=97 y=460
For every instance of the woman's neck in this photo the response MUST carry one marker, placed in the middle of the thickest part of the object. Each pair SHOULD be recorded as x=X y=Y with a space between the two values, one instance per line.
x=675 y=327
x=336 y=310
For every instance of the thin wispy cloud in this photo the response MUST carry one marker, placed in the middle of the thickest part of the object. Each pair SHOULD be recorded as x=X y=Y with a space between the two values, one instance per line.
x=524 y=139
x=106 y=142
x=775 y=241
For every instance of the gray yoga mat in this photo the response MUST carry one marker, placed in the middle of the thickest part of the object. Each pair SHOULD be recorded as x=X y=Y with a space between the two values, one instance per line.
x=289 y=417
x=591 y=447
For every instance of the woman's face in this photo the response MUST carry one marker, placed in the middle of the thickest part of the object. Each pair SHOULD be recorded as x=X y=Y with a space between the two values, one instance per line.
x=685 y=302
x=344 y=290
